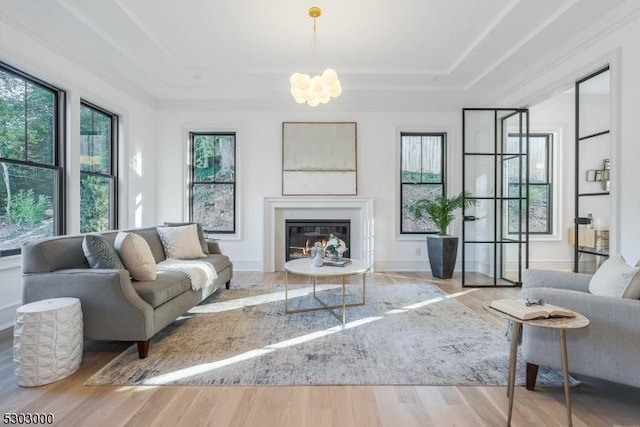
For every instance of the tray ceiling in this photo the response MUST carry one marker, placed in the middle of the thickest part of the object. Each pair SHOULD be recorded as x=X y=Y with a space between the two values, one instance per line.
x=410 y=53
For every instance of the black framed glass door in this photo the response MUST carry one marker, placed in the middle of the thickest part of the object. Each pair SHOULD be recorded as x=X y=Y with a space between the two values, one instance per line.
x=495 y=233
x=593 y=167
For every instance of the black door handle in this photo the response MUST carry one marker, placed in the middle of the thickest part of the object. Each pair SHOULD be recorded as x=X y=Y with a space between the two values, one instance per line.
x=470 y=218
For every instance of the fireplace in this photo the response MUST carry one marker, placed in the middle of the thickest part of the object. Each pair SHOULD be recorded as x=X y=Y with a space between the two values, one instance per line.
x=301 y=234
x=358 y=210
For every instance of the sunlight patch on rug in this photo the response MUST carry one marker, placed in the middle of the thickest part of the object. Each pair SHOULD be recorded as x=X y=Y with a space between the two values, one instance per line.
x=217 y=307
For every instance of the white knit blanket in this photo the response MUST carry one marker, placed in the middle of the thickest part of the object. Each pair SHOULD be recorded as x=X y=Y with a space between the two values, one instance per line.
x=201 y=273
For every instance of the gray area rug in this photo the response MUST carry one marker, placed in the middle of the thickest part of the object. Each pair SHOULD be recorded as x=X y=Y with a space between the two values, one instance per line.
x=405 y=335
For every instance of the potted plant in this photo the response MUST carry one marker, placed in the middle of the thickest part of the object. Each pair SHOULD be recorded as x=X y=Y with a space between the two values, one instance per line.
x=442 y=249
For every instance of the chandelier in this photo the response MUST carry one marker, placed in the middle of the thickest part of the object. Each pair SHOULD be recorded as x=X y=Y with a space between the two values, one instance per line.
x=318 y=88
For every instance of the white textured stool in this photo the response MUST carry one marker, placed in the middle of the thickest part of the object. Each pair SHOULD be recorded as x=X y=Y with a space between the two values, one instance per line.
x=47 y=341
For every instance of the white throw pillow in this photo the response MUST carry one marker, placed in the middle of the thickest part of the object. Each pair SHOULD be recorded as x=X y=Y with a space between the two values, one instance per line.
x=181 y=242
x=136 y=256
x=616 y=278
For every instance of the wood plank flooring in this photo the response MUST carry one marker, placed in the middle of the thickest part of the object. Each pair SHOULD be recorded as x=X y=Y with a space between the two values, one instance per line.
x=594 y=402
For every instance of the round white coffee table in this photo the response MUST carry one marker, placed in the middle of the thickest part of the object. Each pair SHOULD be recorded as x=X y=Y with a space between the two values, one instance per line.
x=303 y=267
x=47 y=341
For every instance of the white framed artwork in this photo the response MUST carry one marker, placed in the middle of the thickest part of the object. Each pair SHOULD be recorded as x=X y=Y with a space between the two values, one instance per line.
x=319 y=158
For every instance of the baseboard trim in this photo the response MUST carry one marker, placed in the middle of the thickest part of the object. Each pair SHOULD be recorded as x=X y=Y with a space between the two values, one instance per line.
x=401 y=265
x=247 y=265
x=423 y=265
x=417 y=265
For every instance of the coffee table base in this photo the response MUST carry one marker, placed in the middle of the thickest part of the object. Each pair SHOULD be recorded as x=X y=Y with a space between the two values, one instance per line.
x=330 y=308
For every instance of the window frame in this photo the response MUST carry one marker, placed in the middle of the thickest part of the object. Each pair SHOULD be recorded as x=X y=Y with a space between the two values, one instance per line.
x=192 y=182
x=549 y=183
x=113 y=175
x=58 y=152
x=442 y=182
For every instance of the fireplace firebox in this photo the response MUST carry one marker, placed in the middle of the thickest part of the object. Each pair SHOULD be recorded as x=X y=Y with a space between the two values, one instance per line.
x=301 y=234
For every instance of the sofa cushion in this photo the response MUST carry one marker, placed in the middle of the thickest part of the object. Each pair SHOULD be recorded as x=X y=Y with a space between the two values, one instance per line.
x=615 y=278
x=166 y=286
x=181 y=242
x=219 y=262
x=136 y=256
x=100 y=253
x=201 y=238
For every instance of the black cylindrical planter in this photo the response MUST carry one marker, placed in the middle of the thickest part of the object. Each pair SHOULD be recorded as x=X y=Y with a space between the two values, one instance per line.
x=443 y=251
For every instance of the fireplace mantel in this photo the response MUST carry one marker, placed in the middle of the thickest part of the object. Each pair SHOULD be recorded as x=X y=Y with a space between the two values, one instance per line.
x=277 y=209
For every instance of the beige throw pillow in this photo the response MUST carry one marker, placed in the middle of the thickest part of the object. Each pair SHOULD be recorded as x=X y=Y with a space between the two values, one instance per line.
x=181 y=242
x=615 y=278
x=201 y=238
x=136 y=256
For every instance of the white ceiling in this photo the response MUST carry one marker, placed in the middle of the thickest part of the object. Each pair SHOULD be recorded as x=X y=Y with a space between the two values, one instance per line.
x=402 y=54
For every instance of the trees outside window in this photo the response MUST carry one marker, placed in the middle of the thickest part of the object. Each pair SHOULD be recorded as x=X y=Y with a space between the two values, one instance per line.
x=422 y=176
x=540 y=183
x=31 y=173
x=98 y=169
x=212 y=181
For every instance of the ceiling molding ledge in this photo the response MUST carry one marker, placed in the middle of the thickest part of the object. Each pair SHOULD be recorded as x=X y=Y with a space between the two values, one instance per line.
x=115 y=80
x=482 y=37
x=616 y=20
x=518 y=46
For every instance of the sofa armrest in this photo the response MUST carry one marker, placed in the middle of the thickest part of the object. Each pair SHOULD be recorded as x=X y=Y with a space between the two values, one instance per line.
x=111 y=308
x=556 y=279
x=608 y=348
x=214 y=247
x=612 y=310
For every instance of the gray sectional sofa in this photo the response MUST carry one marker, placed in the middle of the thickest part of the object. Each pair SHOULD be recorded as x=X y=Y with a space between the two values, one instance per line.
x=115 y=307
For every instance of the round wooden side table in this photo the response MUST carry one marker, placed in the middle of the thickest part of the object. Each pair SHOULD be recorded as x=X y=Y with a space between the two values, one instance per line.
x=560 y=323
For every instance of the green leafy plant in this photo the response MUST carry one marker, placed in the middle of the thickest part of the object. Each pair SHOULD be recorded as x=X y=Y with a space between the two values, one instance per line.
x=27 y=209
x=94 y=204
x=439 y=210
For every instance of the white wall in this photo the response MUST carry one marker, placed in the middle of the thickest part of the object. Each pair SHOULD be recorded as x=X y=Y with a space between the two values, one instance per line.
x=259 y=172
x=259 y=158
x=137 y=138
x=557 y=115
x=620 y=50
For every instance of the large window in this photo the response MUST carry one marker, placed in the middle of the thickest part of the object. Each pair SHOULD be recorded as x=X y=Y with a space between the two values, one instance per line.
x=212 y=183
x=422 y=176
x=98 y=169
x=540 y=183
x=31 y=197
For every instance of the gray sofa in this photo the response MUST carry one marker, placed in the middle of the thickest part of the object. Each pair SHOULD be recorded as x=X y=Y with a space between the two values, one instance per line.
x=608 y=348
x=114 y=307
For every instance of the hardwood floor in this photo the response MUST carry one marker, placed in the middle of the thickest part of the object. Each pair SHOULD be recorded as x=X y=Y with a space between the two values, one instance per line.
x=594 y=402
